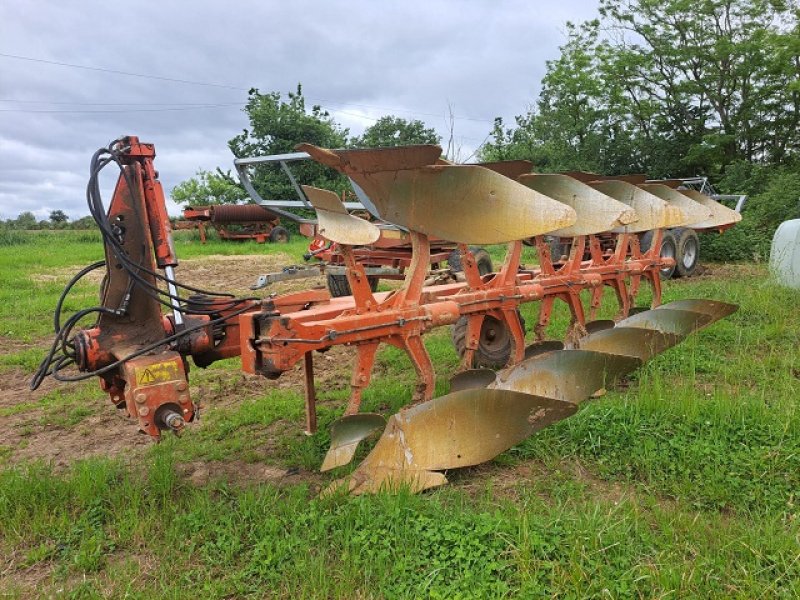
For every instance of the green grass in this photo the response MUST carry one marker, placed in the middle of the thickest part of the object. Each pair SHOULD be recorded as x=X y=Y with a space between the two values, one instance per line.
x=684 y=484
x=36 y=268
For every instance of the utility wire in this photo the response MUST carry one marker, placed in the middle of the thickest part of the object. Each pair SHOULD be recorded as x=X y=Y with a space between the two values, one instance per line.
x=127 y=73
x=221 y=85
x=123 y=110
x=12 y=101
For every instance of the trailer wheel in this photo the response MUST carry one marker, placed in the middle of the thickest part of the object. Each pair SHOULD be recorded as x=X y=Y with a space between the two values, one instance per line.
x=279 y=235
x=495 y=343
x=669 y=248
x=688 y=251
x=339 y=286
x=482 y=257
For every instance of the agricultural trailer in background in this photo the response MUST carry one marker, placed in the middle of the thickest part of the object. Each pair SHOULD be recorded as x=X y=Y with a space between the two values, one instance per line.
x=237 y=222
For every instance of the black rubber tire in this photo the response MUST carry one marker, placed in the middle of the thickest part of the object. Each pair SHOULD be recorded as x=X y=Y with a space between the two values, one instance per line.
x=492 y=355
x=279 y=235
x=669 y=247
x=338 y=285
x=482 y=257
x=558 y=248
x=687 y=255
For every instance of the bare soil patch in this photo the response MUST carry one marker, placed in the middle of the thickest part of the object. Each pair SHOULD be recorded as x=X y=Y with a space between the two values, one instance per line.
x=32 y=434
x=724 y=271
x=12 y=346
x=236 y=274
x=27 y=435
x=216 y=272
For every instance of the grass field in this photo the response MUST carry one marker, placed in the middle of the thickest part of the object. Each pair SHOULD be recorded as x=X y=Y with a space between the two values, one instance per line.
x=685 y=483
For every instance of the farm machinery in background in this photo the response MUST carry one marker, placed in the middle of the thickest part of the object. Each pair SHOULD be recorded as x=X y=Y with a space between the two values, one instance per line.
x=506 y=389
x=236 y=222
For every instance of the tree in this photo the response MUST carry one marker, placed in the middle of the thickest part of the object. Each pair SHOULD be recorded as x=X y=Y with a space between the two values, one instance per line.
x=395 y=131
x=86 y=222
x=209 y=188
x=724 y=73
x=579 y=121
x=668 y=87
x=25 y=220
x=276 y=127
x=58 y=216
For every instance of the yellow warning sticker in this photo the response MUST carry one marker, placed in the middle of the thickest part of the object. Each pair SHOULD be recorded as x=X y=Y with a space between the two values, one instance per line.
x=157 y=373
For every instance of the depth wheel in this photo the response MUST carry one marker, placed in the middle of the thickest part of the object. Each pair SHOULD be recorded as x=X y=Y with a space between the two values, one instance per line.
x=559 y=250
x=279 y=235
x=482 y=257
x=494 y=345
x=669 y=249
x=338 y=285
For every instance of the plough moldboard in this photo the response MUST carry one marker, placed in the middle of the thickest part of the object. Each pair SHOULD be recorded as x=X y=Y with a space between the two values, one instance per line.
x=141 y=354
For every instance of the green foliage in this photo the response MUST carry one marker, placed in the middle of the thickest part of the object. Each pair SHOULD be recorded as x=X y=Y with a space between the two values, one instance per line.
x=58 y=216
x=13 y=231
x=775 y=197
x=677 y=88
x=395 y=131
x=670 y=88
x=10 y=236
x=276 y=127
x=209 y=188
x=25 y=220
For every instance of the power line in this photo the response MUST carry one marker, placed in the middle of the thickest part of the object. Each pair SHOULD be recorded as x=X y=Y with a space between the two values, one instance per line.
x=413 y=112
x=128 y=73
x=124 y=110
x=222 y=85
x=168 y=108
x=9 y=100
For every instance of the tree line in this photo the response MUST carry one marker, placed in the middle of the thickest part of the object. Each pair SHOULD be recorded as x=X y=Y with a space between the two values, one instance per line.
x=58 y=219
x=666 y=87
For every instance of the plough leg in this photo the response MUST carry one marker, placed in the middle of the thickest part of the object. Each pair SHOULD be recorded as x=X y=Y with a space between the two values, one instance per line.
x=471 y=340
x=511 y=317
x=426 y=378
x=365 y=360
x=310 y=394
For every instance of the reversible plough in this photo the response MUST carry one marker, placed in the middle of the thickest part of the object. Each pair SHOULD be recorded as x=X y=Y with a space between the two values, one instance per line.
x=141 y=355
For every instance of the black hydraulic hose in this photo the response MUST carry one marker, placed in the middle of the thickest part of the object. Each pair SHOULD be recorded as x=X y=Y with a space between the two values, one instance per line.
x=52 y=365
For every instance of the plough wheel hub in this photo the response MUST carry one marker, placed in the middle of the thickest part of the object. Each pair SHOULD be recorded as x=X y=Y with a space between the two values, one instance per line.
x=494 y=344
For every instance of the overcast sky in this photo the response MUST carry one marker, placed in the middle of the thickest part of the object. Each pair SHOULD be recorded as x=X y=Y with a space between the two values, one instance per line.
x=359 y=60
